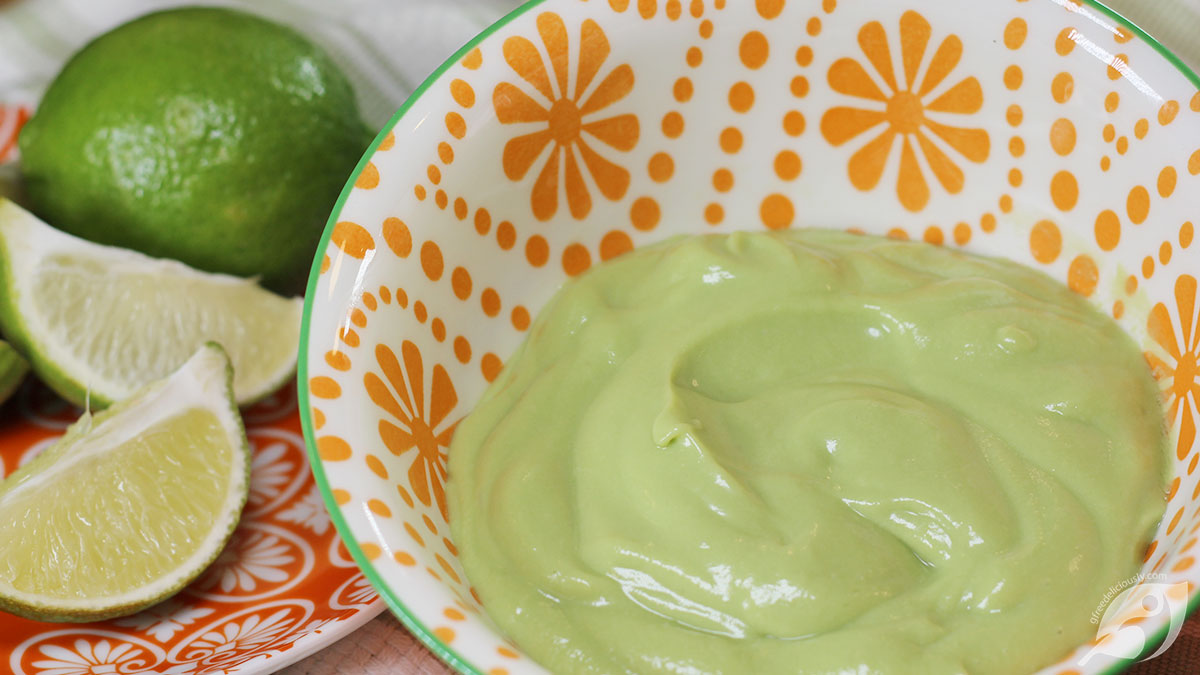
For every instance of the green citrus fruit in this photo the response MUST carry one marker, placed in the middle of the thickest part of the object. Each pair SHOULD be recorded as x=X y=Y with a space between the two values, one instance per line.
x=12 y=370
x=131 y=504
x=98 y=322
x=206 y=135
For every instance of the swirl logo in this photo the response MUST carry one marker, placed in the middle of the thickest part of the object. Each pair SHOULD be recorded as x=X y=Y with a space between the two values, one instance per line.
x=1125 y=631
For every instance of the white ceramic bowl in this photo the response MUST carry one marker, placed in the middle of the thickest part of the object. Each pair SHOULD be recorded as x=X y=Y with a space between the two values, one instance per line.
x=1047 y=131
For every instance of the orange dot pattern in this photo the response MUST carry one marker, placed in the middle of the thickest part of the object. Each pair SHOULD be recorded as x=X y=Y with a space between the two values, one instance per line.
x=368 y=179
x=576 y=259
x=333 y=448
x=644 y=213
x=787 y=165
x=1045 y=242
x=1064 y=190
x=353 y=239
x=777 y=212
x=1108 y=230
x=1083 y=275
x=714 y=213
x=537 y=250
x=1062 y=87
x=741 y=97
x=1131 y=206
x=661 y=167
x=754 y=50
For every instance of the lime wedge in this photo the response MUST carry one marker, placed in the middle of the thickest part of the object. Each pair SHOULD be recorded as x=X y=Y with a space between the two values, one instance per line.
x=131 y=504
x=97 y=322
x=12 y=370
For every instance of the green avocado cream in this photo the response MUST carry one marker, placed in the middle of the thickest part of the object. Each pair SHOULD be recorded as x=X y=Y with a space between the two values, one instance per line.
x=808 y=452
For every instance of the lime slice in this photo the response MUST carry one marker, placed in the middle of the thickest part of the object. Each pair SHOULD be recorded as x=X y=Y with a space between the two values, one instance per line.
x=97 y=322
x=131 y=504
x=12 y=370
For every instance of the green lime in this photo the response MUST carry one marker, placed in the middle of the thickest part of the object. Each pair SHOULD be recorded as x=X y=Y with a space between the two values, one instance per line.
x=131 y=504
x=206 y=135
x=12 y=370
x=98 y=322
x=10 y=182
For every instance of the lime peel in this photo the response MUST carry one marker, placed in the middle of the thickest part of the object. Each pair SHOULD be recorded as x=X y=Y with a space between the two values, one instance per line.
x=85 y=554
x=13 y=368
x=98 y=322
x=205 y=134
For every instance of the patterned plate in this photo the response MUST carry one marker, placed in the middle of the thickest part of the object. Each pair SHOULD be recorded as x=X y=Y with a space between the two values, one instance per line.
x=1051 y=132
x=283 y=588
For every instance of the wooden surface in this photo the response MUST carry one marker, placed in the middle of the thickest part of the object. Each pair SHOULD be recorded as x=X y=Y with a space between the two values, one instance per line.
x=381 y=646
x=384 y=647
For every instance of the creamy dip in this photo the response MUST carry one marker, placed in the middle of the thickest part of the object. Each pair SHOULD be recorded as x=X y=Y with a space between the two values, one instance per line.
x=808 y=452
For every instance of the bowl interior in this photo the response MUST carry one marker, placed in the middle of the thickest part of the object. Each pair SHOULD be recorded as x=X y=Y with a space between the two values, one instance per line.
x=1046 y=131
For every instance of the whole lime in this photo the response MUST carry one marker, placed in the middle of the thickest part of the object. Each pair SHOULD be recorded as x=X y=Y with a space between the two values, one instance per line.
x=206 y=135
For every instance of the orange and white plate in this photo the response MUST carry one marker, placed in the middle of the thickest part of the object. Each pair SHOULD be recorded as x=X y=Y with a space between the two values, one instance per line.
x=283 y=588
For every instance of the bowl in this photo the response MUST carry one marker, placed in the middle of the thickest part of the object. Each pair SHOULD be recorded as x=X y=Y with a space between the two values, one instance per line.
x=1051 y=132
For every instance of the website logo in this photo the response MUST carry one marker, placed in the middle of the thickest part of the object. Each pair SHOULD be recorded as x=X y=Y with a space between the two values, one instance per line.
x=1127 y=611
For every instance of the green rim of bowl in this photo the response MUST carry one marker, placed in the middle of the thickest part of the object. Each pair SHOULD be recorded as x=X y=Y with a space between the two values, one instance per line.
x=399 y=609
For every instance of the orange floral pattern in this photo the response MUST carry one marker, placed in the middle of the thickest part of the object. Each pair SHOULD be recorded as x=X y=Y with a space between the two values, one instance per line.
x=273 y=587
x=723 y=110
x=416 y=429
x=1183 y=351
x=904 y=111
x=566 y=118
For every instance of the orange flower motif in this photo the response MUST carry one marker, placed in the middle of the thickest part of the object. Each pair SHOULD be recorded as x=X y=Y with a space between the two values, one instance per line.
x=427 y=473
x=1183 y=349
x=565 y=118
x=905 y=111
